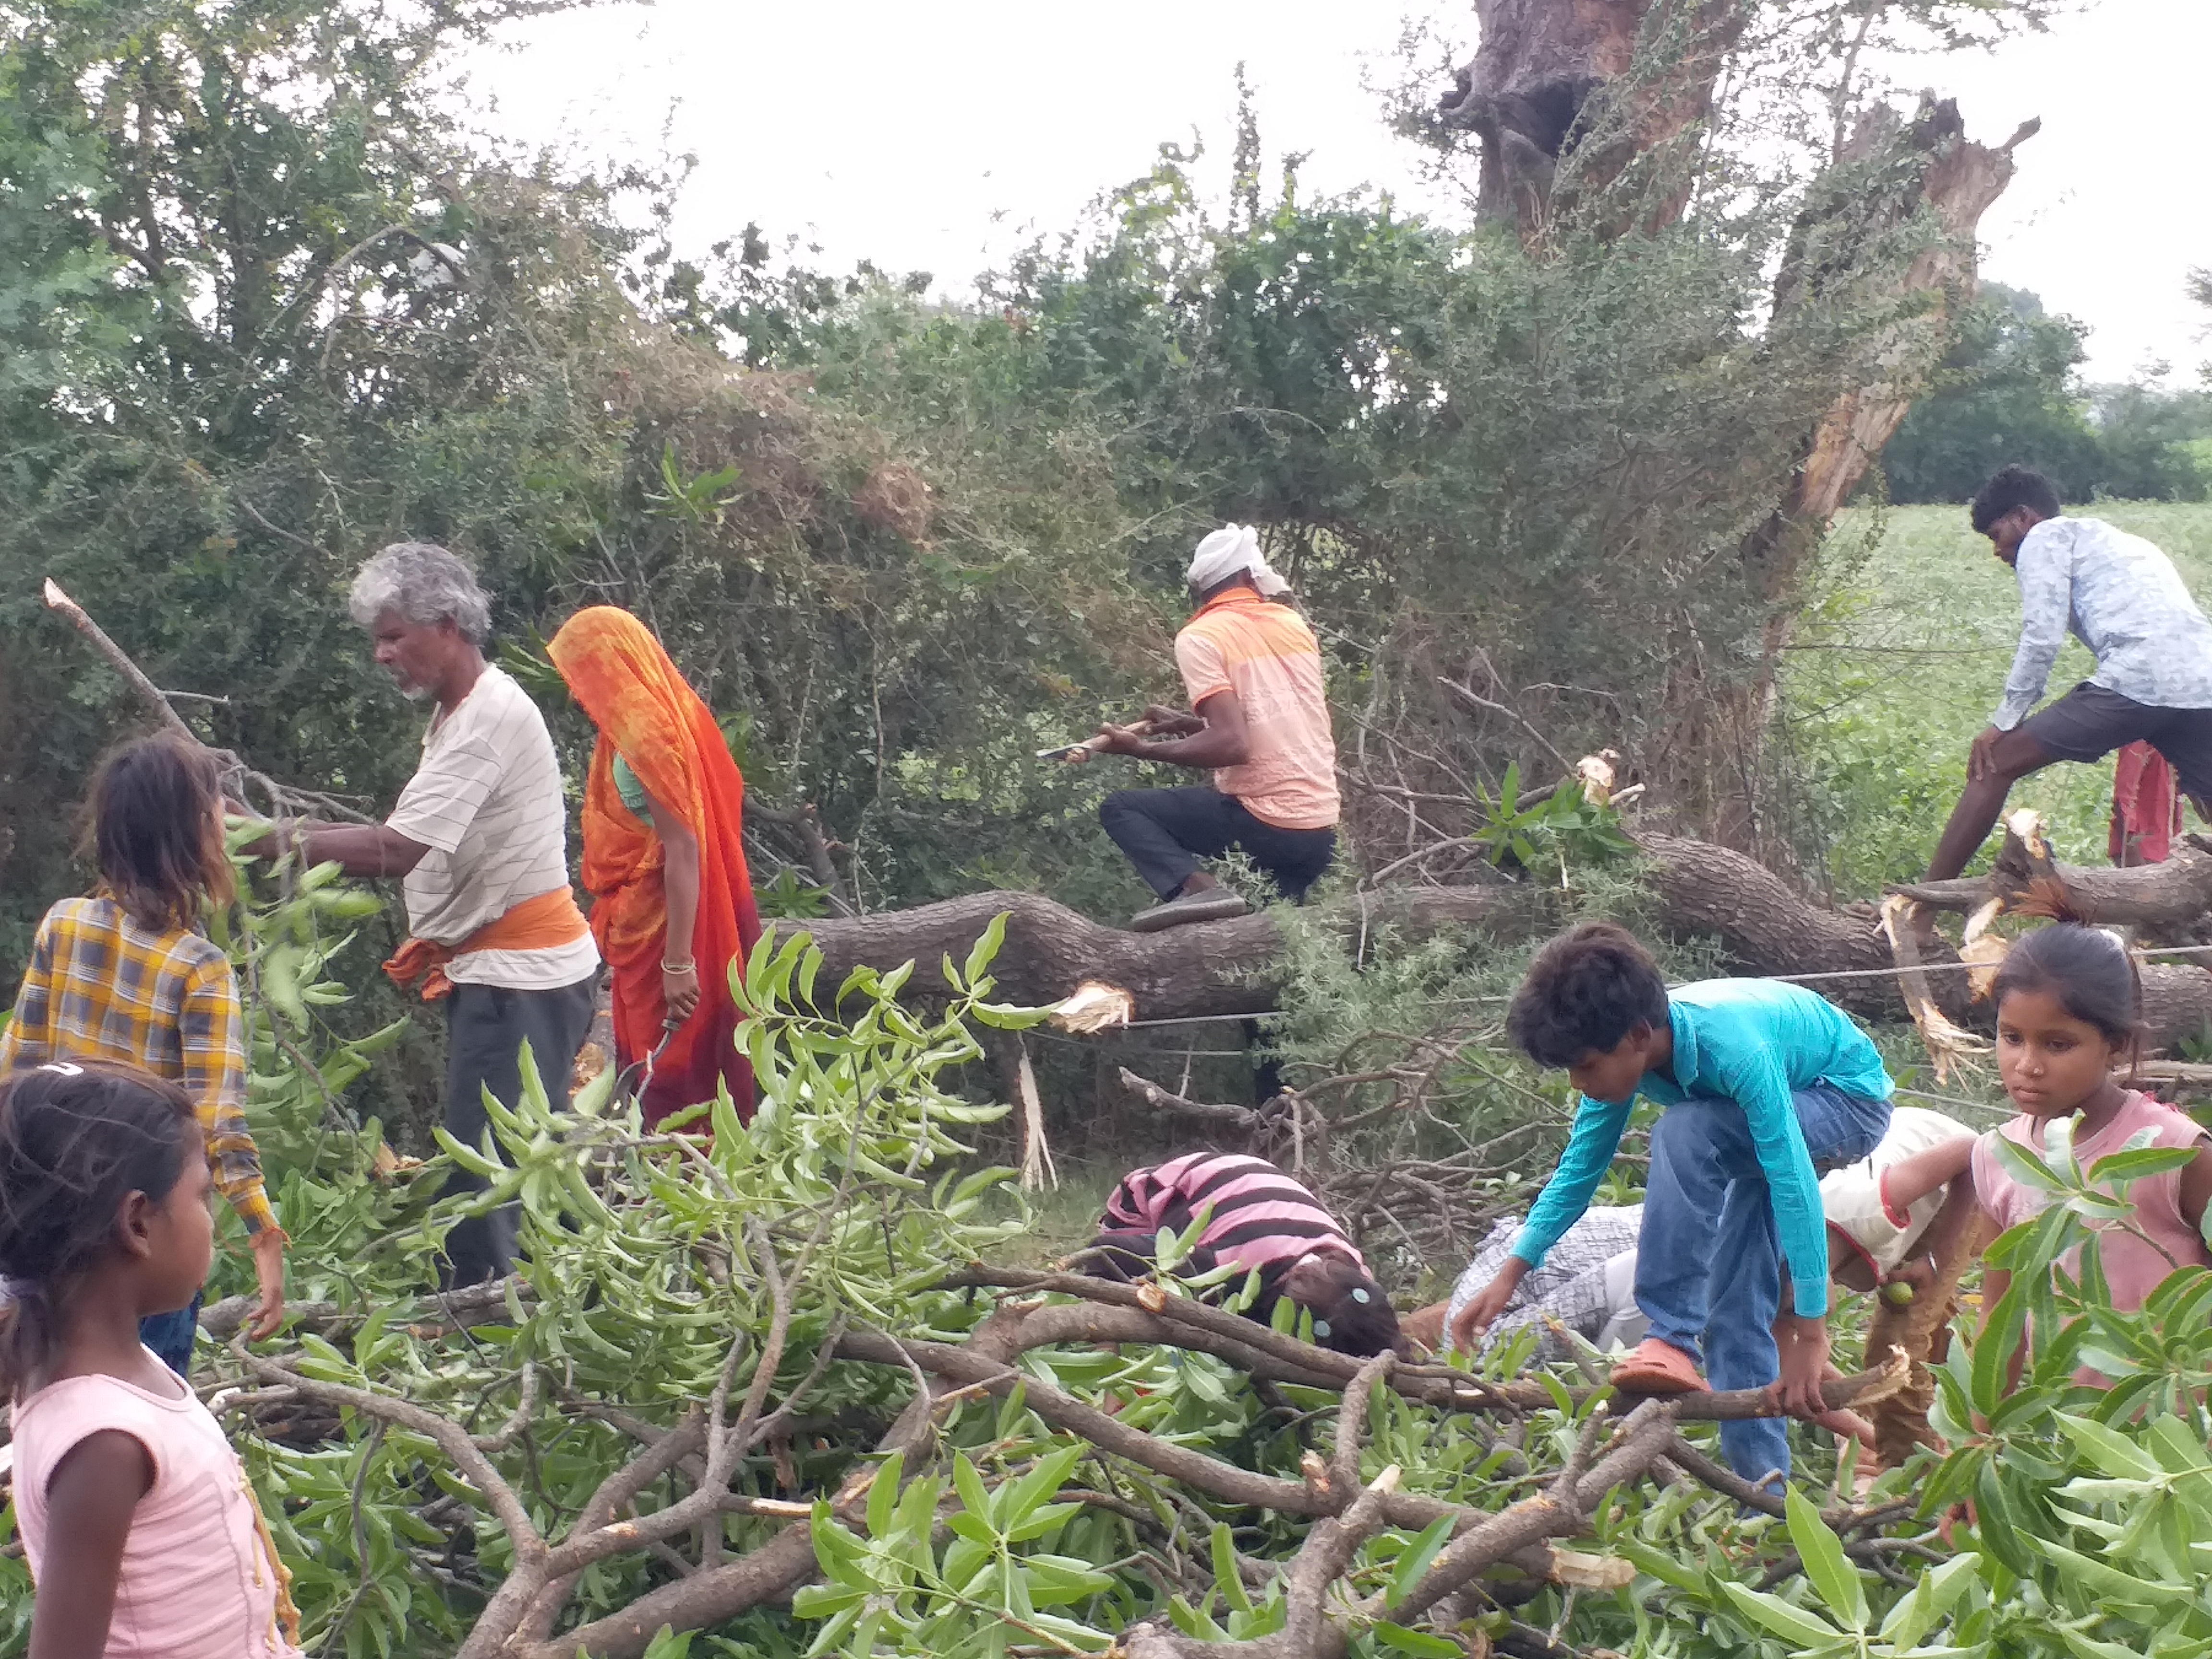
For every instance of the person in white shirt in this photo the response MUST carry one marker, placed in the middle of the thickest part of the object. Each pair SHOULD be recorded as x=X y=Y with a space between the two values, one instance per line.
x=2122 y=597
x=479 y=838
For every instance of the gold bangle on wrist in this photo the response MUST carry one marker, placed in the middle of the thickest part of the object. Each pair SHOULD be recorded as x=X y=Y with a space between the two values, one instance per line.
x=679 y=967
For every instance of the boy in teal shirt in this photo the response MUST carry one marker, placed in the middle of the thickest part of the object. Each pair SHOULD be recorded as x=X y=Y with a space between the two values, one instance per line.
x=1764 y=1087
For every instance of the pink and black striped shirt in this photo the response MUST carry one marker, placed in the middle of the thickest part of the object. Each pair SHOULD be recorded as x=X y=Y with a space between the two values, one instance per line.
x=1260 y=1217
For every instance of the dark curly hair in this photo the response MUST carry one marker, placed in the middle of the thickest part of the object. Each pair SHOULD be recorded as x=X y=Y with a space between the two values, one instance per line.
x=1584 y=992
x=2010 y=487
x=76 y=1140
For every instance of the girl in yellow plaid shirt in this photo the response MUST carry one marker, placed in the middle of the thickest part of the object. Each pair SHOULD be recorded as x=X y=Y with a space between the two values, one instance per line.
x=126 y=975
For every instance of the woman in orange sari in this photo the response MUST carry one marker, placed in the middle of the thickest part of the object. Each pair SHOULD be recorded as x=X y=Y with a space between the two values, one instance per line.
x=672 y=902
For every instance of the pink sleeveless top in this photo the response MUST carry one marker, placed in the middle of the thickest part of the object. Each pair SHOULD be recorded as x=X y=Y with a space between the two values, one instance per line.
x=199 y=1579
x=2132 y=1267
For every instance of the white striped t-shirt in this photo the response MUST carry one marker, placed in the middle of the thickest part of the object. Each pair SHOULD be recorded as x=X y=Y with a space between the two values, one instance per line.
x=487 y=802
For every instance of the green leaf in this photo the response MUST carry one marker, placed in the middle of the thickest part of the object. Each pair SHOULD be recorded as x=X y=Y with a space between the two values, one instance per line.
x=841 y=1555
x=883 y=1495
x=1932 y=1598
x=1994 y=1349
x=969 y=1484
x=1425 y=1644
x=2025 y=1167
x=1226 y=1578
x=1413 y=1560
x=2113 y=1453
x=1993 y=1522
x=1828 y=1569
x=986 y=949
x=2111 y=1581
x=1771 y=1613
x=2144 y=1161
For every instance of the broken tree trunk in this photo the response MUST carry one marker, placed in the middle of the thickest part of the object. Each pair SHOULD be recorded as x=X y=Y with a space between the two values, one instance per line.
x=1557 y=83
x=1893 y=178
x=2162 y=898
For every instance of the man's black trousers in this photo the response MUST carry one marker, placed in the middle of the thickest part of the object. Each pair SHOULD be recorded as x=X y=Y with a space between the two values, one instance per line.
x=1167 y=832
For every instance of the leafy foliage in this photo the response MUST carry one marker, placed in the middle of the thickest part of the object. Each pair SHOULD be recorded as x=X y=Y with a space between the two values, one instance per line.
x=2008 y=391
x=263 y=307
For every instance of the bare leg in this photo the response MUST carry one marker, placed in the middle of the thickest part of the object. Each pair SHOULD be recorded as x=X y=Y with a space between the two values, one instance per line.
x=2013 y=757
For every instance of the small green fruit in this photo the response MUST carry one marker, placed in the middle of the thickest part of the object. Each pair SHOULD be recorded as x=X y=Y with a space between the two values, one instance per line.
x=1897 y=1293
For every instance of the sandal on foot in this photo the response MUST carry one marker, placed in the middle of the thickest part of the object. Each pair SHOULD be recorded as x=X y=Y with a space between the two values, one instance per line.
x=1658 y=1368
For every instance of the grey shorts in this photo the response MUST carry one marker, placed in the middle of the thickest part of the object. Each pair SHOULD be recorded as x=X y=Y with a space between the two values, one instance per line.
x=2089 y=722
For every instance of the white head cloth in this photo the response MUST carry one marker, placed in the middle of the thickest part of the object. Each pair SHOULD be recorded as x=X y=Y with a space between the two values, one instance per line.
x=1233 y=549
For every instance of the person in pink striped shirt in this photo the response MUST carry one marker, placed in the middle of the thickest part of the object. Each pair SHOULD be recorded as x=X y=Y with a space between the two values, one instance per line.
x=1256 y=1218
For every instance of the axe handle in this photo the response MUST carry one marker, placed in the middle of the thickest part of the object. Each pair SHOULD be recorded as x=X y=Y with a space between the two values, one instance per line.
x=1089 y=745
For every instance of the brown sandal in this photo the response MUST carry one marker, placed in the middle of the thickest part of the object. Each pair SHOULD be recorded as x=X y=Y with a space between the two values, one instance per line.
x=1658 y=1368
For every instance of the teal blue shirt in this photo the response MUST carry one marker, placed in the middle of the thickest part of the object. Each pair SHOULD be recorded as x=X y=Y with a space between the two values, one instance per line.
x=1751 y=1041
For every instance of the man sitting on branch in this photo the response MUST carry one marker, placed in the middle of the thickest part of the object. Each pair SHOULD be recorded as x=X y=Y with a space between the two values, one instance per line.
x=1252 y=668
x=479 y=839
x=2122 y=597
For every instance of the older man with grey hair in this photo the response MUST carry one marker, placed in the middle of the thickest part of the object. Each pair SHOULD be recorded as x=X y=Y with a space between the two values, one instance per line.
x=479 y=839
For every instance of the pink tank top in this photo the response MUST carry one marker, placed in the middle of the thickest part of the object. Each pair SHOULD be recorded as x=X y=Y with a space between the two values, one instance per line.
x=2132 y=1267
x=199 y=1579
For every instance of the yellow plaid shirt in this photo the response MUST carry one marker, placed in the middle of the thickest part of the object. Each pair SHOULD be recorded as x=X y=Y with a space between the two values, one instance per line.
x=100 y=987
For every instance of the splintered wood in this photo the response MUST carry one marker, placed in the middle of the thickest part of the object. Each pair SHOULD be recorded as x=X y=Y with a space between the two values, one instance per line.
x=1094 y=1005
x=1948 y=1045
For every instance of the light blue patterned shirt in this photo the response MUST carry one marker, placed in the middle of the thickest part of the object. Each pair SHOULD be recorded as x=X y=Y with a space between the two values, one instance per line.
x=2119 y=596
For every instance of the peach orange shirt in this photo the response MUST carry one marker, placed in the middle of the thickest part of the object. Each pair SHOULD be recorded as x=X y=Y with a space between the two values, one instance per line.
x=1265 y=654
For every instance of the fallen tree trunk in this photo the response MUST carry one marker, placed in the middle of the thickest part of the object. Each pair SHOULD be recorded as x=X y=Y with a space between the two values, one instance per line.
x=1222 y=967
x=1200 y=968
x=1765 y=927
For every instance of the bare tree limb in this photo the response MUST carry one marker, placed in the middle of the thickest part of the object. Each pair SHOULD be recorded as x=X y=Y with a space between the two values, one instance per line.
x=149 y=694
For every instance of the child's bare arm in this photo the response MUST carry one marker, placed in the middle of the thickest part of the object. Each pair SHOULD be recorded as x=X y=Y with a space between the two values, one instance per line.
x=1940 y=1242
x=89 y=1503
x=1904 y=1184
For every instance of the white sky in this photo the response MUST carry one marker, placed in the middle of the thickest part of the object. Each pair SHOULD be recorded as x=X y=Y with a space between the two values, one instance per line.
x=939 y=137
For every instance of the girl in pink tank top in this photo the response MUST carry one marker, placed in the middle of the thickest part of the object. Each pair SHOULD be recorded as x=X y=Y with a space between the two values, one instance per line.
x=2068 y=1007
x=143 y=1536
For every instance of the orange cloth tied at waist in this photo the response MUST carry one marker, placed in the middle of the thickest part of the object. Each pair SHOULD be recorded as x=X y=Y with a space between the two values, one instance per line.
x=537 y=924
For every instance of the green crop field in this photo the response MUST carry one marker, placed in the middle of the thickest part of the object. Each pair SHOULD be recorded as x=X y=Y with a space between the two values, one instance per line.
x=1901 y=661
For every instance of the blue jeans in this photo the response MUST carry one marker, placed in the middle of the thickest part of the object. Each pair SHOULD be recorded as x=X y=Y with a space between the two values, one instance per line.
x=1708 y=1263
x=170 y=1335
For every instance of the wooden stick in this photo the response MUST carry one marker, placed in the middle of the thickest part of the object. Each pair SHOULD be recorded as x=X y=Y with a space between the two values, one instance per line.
x=149 y=693
x=237 y=774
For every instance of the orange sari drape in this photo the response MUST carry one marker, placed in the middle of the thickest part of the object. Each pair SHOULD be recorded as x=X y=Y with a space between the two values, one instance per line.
x=649 y=715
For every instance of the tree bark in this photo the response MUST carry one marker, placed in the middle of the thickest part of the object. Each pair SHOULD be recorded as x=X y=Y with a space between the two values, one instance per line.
x=1888 y=175
x=1203 y=968
x=2162 y=898
x=1765 y=927
x=1550 y=83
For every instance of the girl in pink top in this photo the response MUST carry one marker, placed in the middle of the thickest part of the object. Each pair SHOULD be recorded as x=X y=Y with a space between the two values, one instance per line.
x=2069 y=1009
x=143 y=1536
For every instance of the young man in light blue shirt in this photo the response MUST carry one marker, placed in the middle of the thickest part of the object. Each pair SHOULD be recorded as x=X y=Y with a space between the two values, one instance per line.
x=1765 y=1088
x=2123 y=598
